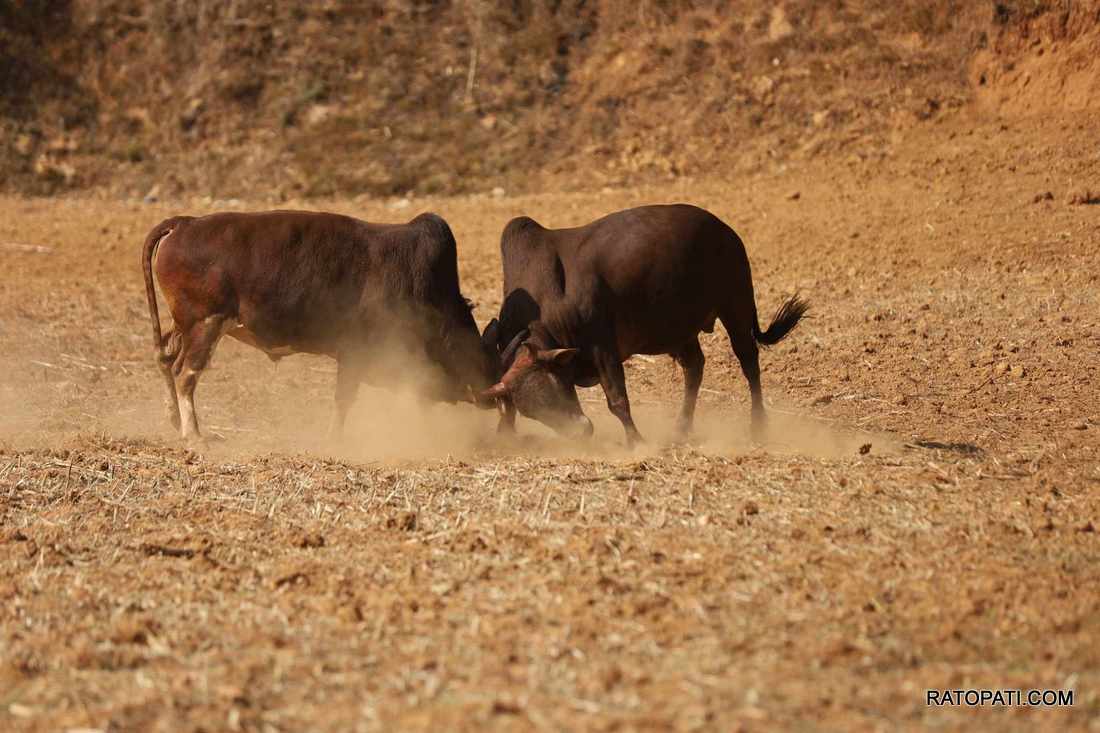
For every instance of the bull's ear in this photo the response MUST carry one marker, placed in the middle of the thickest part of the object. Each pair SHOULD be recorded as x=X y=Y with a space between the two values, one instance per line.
x=558 y=357
x=490 y=337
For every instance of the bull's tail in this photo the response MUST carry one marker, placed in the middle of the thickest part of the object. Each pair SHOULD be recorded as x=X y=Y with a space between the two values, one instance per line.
x=784 y=320
x=160 y=231
x=166 y=353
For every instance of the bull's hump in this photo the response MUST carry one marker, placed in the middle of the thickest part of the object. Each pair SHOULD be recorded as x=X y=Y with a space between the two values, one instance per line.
x=434 y=225
x=521 y=224
x=428 y=217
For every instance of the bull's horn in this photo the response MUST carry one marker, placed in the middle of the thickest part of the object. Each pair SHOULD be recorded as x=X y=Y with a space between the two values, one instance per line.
x=482 y=400
x=496 y=392
x=513 y=345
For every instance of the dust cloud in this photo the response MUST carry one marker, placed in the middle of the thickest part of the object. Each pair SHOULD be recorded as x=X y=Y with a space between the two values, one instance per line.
x=15 y=417
x=728 y=430
x=396 y=424
x=249 y=406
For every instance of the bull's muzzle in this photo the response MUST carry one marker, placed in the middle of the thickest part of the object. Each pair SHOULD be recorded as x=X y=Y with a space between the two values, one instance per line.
x=484 y=399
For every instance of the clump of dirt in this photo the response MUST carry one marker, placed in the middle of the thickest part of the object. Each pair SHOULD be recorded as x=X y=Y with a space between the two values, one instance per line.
x=1041 y=55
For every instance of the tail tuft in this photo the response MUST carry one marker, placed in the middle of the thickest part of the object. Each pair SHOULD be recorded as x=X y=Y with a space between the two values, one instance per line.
x=785 y=319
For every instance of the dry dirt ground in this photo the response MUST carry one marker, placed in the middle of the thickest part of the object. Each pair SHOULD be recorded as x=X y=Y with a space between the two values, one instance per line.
x=424 y=575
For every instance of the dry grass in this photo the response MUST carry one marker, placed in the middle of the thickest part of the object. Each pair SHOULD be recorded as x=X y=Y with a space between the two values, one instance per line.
x=684 y=590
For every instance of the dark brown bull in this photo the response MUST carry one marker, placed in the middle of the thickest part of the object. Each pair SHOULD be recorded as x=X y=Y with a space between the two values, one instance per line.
x=578 y=302
x=302 y=282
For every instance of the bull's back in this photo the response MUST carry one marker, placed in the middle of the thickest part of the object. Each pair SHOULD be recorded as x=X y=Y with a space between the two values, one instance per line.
x=298 y=281
x=666 y=271
x=664 y=253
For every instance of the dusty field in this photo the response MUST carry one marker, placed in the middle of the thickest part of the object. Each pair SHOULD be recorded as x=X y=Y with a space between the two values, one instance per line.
x=424 y=575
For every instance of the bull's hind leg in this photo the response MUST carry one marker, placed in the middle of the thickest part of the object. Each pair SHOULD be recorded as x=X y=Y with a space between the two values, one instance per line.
x=169 y=351
x=744 y=346
x=748 y=353
x=691 y=360
x=196 y=347
x=740 y=332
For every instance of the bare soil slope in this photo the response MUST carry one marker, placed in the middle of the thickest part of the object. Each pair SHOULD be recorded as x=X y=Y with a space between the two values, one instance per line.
x=255 y=99
x=1043 y=56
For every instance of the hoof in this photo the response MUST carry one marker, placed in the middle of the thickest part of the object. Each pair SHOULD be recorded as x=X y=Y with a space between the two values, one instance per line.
x=196 y=444
x=199 y=441
x=687 y=440
x=759 y=426
x=685 y=432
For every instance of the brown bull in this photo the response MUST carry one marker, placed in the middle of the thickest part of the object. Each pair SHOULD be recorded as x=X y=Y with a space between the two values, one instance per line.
x=301 y=282
x=579 y=302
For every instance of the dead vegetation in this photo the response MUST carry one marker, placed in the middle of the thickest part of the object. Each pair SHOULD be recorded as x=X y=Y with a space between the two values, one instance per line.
x=252 y=99
x=291 y=592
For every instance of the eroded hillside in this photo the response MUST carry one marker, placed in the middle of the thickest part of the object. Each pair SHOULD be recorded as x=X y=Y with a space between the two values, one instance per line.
x=250 y=98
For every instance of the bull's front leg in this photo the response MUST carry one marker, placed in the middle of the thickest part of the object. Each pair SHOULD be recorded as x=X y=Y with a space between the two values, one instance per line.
x=348 y=376
x=507 y=424
x=613 y=381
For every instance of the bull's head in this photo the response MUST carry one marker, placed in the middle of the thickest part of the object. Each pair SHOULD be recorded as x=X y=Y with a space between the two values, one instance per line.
x=540 y=383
